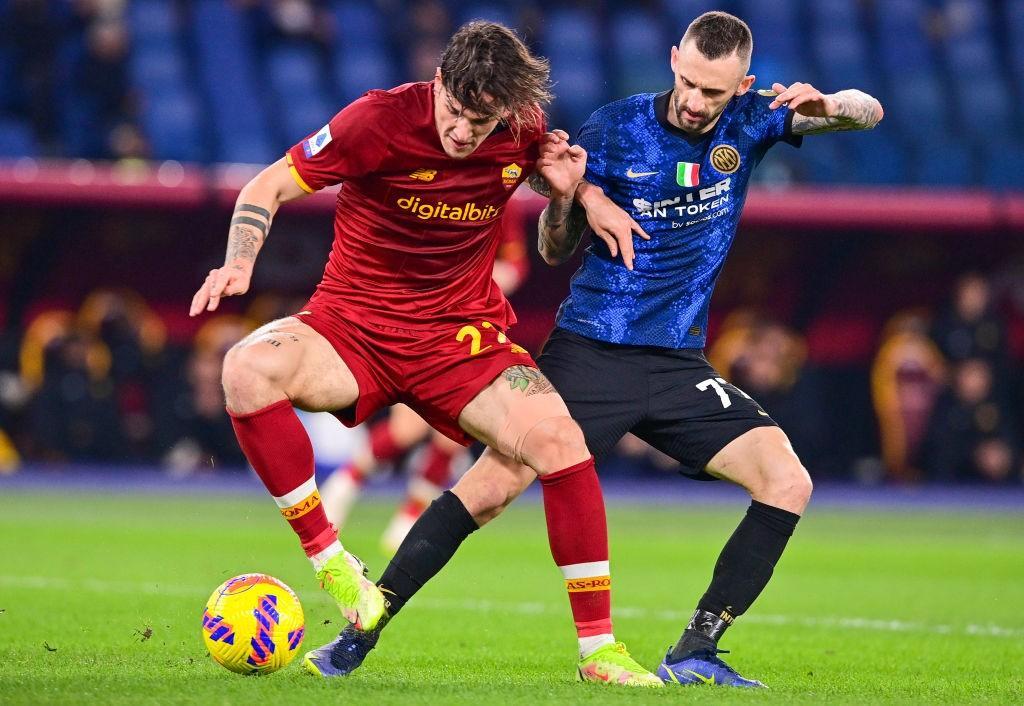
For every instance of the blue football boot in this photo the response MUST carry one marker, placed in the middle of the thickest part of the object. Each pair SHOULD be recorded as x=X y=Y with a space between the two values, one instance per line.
x=702 y=667
x=343 y=655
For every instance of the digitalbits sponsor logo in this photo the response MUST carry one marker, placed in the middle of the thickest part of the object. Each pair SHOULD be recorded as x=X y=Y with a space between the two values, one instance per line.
x=467 y=212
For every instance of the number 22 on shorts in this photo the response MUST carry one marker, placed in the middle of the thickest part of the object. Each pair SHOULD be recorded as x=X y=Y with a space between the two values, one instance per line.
x=475 y=337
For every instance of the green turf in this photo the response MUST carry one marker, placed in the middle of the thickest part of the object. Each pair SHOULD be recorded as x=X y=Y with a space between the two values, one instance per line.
x=907 y=607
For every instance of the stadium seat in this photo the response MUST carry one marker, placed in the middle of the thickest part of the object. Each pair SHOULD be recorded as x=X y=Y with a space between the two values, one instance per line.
x=779 y=36
x=159 y=72
x=819 y=161
x=640 y=53
x=495 y=12
x=946 y=163
x=17 y=138
x=839 y=47
x=362 y=59
x=237 y=115
x=154 y=23
x=876 y=157
x=902 y=41
x=572 y=40
x=1003 y=165
x=920 y=107
x=685 y=11
x=296 y=77
x=171 y=122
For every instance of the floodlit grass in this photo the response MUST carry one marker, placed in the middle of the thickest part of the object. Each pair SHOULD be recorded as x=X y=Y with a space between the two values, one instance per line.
x=866 y=607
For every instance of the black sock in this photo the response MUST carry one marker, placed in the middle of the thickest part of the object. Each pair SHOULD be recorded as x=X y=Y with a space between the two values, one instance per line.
x=741 y=573
x=431 y=542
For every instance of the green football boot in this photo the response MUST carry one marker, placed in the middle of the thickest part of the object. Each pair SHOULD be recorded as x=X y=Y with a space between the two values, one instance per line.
x=361 y=602
x=611 y=664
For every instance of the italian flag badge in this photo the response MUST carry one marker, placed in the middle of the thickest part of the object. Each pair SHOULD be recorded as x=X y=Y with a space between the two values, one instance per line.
x=687 y=174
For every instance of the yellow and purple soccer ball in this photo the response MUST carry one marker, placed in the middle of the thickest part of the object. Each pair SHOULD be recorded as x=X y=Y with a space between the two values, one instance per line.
x=253 y=624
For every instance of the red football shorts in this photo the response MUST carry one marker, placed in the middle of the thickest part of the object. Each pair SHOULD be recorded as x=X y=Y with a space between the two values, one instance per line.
x=436 y=370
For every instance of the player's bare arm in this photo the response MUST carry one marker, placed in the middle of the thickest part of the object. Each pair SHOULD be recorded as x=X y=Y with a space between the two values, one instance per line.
x=563 y=222
x=818 y=112
x=560 y=170
x=250 y=225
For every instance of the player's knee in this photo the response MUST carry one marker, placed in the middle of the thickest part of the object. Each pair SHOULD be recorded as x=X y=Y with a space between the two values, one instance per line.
x=555 y=443
x=790 y=487
x=251 y=378
x=485 y=501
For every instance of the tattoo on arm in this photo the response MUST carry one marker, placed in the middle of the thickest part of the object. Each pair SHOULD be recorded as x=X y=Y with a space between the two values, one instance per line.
x=856 y=110
x=574 y=220
x=244 y=242
x=528 y=380
x=251 y=208
x=255 y=222
x=539 y=185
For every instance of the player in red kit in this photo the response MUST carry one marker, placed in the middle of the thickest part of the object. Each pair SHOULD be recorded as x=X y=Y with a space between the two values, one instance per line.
x=407 y=311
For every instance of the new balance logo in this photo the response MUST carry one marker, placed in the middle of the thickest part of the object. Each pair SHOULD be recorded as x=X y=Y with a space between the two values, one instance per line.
x=424 y=174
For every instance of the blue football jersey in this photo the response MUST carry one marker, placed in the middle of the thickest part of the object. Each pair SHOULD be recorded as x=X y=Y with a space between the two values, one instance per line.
x=687 y=192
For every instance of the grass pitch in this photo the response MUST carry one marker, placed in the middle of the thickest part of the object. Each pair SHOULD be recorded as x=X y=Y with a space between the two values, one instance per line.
x=866 y=607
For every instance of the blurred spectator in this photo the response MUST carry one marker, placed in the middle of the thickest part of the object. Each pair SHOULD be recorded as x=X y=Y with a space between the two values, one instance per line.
x=195 y=427
x=300 y=20
x=906 y=379
x=99 y=86
x=73 y=414
x=971 y=437
x=970 y=326
x=770 y=367
x=134 y=338
x=33 y=32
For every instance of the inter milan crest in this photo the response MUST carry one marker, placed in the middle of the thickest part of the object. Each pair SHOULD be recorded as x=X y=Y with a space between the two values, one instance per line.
x=725 y=158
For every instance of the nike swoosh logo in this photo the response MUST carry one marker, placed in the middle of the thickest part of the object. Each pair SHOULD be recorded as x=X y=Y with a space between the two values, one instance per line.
x=706 y=680
x=633 y=175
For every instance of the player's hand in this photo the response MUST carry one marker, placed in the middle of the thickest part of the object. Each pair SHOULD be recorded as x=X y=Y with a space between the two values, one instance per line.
x=227 y=281
x=613 y=225
x=562 y=165
x=803 y=98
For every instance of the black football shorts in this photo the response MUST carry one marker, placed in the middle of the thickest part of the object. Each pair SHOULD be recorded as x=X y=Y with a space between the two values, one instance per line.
x=672 y=399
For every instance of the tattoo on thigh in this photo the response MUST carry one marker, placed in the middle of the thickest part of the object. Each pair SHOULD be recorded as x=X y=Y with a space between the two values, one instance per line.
x=277 y=332
x=527 y=379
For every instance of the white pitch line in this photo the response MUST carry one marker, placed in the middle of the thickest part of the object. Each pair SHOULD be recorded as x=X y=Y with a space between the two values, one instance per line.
x=536 y=608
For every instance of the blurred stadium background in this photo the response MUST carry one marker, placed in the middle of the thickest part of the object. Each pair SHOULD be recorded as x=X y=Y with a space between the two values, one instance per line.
x=874 y=301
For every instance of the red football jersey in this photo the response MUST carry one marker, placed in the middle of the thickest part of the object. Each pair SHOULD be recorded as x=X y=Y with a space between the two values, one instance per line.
x=415 y=231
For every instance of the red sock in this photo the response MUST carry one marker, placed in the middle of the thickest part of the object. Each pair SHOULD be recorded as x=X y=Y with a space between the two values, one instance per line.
x=413 y=507
x=437 y=465
x=277 y=446
x=382 y=443
x=578 y=535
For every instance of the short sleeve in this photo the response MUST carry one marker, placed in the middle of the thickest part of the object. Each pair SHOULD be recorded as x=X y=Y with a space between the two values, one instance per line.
x=351 y=145
x=777 y=125
x=593 y=137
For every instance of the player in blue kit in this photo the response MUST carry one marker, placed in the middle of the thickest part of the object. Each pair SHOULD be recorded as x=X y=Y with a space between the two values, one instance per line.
x=626 y=354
